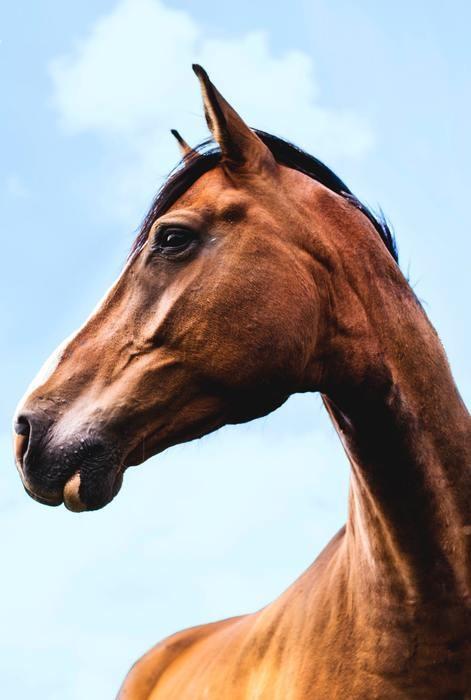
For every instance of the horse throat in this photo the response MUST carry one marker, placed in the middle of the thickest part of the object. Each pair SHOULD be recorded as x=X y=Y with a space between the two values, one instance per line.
x=408 y=437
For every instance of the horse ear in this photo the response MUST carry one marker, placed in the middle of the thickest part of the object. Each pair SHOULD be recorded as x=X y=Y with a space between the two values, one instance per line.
x=185 y=149
x=239 y=144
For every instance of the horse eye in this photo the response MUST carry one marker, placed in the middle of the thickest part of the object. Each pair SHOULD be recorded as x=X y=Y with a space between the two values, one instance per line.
x=174 y=240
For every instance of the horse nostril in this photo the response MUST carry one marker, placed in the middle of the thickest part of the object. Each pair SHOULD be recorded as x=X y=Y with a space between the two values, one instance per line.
x=22 y=426
x=22 y=429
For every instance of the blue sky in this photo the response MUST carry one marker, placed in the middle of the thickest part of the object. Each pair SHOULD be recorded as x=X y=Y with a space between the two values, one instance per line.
x=220 y=526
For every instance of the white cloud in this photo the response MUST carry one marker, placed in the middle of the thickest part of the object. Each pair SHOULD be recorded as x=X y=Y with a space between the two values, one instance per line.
x=130 y=79
x=124 y=74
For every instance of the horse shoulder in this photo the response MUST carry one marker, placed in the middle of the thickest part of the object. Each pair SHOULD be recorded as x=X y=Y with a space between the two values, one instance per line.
x=147 y=671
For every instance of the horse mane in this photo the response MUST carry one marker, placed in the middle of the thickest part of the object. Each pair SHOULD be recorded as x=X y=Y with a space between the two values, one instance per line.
x=207 y=155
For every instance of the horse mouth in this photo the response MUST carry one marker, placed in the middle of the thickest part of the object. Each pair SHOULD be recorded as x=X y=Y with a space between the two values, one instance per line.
x=75 y=494
x=87 y=477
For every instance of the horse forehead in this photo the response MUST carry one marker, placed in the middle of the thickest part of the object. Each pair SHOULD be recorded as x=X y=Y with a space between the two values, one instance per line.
x=231 y=195
x=220 y=195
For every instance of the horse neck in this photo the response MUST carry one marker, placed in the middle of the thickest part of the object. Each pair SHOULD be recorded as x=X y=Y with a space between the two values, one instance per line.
x=407 y=434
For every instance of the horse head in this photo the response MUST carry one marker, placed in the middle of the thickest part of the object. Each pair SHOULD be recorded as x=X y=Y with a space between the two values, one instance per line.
x=226 y=306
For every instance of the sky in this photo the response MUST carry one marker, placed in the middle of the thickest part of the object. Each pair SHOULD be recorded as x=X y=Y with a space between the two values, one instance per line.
x=220 y=526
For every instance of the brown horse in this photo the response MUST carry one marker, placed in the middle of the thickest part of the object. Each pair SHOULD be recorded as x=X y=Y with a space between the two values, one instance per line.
x=256 y=275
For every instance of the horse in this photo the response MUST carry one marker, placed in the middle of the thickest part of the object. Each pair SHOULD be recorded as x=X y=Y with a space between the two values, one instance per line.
x=257 y=274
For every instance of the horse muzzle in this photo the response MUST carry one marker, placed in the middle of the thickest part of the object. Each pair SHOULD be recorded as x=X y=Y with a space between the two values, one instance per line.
x=84 y=470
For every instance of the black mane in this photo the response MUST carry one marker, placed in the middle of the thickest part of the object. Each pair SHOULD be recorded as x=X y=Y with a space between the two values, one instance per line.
x=207 y=156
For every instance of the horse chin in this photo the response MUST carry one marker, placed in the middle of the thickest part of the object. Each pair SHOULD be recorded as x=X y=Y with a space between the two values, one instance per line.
x=80 y=496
